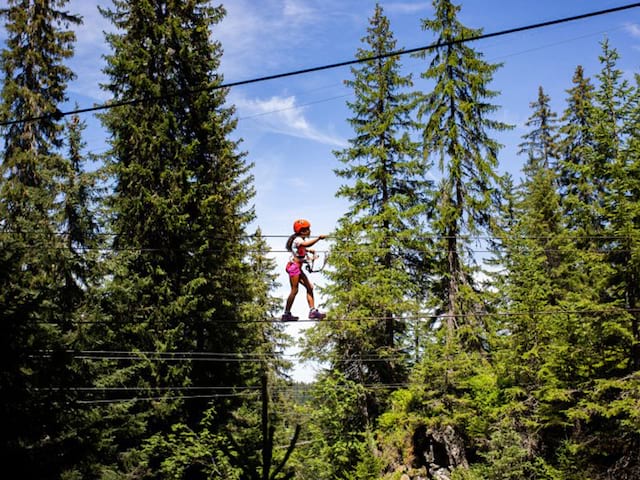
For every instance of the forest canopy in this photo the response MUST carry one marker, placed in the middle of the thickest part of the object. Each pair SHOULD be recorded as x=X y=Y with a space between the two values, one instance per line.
x=479 y=324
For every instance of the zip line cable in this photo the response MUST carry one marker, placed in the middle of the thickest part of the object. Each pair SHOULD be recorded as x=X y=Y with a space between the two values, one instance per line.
x=245 y=389
x=326 y=99
x=271 y=112
x=365 y=249
x=423 y=237
x=59 y=115
x=197 y=356
x=420 y=317
x=222 y=395
x=232 y=391
x=173 y=397
x=301 y=390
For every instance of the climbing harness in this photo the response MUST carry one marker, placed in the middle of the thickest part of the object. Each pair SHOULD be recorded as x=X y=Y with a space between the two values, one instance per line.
x=310 y=262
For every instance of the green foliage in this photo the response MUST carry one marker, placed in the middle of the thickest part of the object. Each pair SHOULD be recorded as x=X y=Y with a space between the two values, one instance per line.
x=369 y=464
x=185 y=453
x=336 y=429
x=379 y=250
x=535 y=377
x=396 y=427
x=179 y=212
x=509 y=457
x=41 y=282
x=455 y=111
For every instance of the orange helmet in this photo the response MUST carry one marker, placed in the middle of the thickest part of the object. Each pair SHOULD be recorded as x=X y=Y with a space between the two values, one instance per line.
x=301 y=224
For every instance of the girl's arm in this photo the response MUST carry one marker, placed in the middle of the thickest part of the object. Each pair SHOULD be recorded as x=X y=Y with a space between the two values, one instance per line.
x=312 y=241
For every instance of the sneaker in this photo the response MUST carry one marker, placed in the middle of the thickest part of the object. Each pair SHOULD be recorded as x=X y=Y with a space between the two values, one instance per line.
x=287 y=317
x=315 y=314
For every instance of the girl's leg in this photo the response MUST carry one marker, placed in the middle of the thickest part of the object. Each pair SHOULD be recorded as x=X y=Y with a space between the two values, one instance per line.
x=293 y=280
x=313 y=313
x=309 y=287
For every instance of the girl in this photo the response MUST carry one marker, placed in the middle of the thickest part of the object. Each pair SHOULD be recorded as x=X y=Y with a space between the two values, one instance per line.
x=298 y=245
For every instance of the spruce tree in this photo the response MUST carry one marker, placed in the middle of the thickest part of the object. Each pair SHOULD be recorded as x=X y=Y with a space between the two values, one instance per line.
x=626 y=218
x=607 y=406
x=583 y=183
x=377 y=253
x=36 y=302
x=178 y=215
x=454 y=383
x=245 y=446
x=612 y=168
x=456 y=133
x=79 y=217
x=83 y=273
x=539 y=260
x=579 y=184
x=579 y=346
x=610 y=120
x=541 y=142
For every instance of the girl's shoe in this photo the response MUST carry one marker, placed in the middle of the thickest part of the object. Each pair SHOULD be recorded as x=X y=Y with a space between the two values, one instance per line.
x=315 y=314
x=287 y=317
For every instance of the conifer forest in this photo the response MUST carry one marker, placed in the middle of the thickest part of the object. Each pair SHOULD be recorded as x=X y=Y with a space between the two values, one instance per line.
x=133 y=348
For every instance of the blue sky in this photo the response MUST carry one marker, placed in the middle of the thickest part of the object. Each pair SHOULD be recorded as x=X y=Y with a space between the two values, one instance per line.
x=291 y=126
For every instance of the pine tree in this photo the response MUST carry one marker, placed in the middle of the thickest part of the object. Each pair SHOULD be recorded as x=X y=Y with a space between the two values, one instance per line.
x=377 y=253
x=35 y=298
x=178 y=215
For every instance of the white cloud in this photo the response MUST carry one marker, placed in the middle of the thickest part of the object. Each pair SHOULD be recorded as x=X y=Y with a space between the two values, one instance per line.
x=260 y=36
x=282 y=115
x=298 y=10
x=90 y=46
x=633 y=29
x=254 y=39
x=300 y=183
x=239 y=28
x=406 y=7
